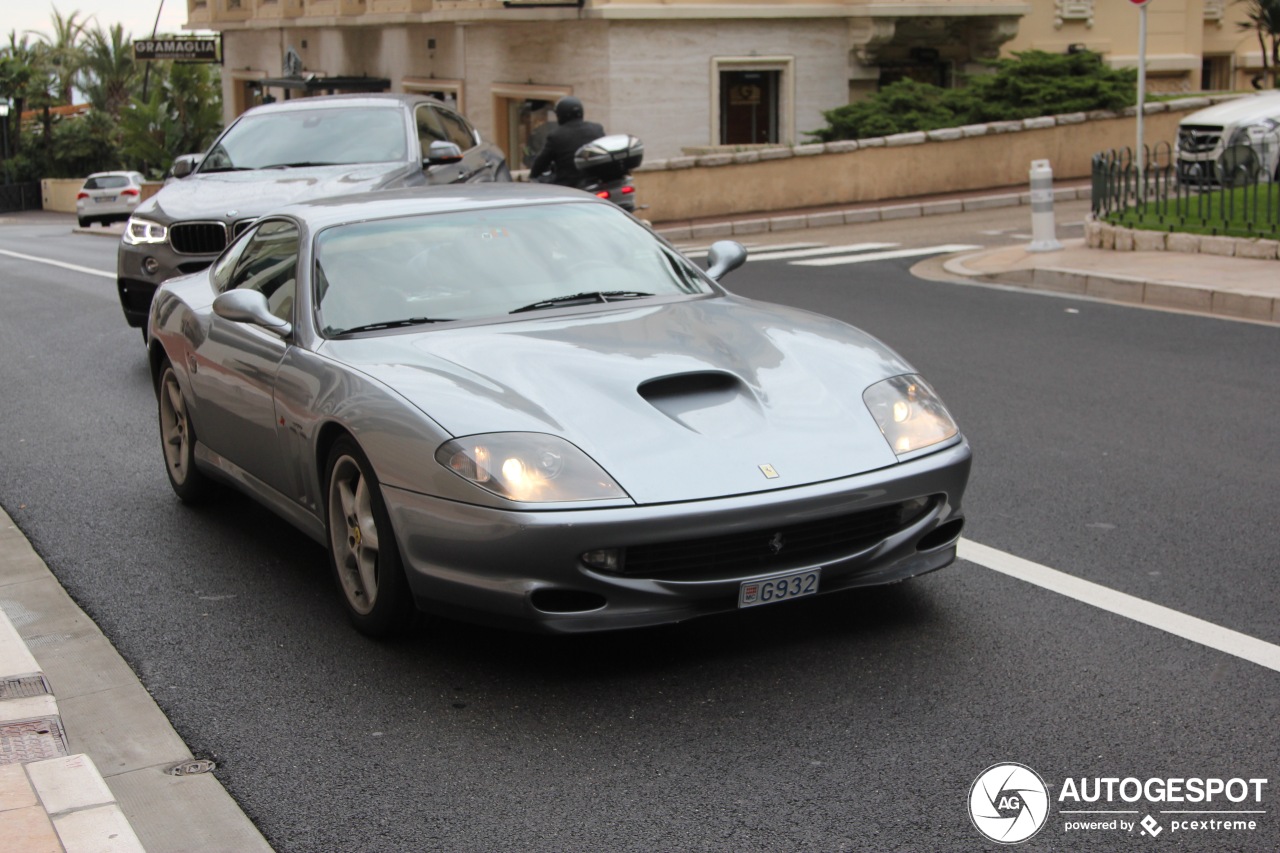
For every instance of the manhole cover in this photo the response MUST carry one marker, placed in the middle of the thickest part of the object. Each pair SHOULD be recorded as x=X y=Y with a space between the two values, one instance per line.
x=25 y=741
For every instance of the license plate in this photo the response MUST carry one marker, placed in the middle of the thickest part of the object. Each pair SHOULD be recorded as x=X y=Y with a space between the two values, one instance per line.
x=105 y=198
x=794 y=585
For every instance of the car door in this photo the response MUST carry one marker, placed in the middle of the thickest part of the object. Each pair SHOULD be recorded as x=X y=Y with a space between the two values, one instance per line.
x=237 y=363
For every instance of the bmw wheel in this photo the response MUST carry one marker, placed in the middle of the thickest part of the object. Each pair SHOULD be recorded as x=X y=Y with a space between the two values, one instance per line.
x=362 y=547
x=178 y=439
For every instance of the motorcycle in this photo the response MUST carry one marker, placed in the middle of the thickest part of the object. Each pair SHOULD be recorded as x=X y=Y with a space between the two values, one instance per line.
x=606 y=165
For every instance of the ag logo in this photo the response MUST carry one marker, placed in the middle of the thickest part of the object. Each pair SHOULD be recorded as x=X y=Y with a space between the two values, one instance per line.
x=1008 y=803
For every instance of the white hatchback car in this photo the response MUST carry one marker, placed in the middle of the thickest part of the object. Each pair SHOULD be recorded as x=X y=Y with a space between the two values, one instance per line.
x=108 y=197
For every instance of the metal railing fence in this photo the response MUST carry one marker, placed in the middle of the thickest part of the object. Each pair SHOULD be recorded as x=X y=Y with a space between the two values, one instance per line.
x=20 y=197
x=1229 y=197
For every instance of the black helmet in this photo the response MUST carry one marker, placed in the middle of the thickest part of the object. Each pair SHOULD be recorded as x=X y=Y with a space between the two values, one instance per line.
x=568 y=109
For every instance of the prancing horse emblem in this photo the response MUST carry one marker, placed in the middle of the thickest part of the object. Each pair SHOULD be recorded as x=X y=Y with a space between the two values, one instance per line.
x=777 y=543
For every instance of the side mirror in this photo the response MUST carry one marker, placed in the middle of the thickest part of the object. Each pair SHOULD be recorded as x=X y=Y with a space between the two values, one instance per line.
x=724 y=257
x=185 y=164
x=441 y=152
x=250 y=306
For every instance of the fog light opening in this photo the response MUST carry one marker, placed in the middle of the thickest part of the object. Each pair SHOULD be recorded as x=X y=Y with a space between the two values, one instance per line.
x=941 y=536
x=150 y=265
x=550 y=600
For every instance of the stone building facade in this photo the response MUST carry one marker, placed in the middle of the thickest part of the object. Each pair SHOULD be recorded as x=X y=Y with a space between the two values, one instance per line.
x=684 y=75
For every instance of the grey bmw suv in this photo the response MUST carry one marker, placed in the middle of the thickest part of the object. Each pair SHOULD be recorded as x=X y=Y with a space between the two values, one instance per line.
x=290 y=151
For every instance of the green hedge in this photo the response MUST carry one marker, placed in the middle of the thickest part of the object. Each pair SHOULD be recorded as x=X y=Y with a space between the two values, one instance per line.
x=1033 y=83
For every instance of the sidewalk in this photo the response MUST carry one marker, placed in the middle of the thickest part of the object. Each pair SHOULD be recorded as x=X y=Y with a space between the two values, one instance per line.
x=98 y=768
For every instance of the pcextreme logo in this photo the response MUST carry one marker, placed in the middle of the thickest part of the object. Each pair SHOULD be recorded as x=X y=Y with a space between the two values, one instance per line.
x=1009 y=803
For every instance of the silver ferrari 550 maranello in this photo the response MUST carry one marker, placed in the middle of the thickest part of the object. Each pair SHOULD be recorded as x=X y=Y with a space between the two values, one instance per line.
x=515 y=404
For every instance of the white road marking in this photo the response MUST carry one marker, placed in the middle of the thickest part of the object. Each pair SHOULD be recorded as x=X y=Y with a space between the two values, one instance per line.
x=65 y=266
x=1122 y=604
x=701 y=251
x=884 y=256
x=771 y=254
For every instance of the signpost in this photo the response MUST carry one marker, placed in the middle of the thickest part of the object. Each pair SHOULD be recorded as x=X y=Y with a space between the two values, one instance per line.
x=1140 y=154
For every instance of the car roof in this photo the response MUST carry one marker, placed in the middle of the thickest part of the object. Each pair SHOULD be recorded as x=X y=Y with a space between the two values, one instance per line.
x=367 y=99
x=390 y=204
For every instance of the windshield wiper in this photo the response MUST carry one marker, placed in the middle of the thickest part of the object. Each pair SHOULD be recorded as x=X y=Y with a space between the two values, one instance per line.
x=584 y=298
x=389 y=324
x=226 y=169
x=299 y=165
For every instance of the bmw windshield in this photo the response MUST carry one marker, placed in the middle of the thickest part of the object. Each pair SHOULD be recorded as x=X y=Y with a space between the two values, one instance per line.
x=314 y=137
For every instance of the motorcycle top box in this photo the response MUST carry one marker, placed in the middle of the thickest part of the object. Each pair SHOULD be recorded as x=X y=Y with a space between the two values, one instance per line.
x=609 y=157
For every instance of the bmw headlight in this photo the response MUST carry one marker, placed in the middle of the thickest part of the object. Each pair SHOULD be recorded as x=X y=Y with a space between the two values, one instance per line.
x=909 y=413
x=138 y=231
x=529 y=467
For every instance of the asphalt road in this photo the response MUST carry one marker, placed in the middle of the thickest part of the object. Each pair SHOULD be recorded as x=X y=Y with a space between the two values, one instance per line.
x=1132 y=448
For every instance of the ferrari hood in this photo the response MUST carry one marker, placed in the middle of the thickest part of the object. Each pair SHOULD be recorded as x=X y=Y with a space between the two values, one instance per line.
x=684 y=401
x=249 y=194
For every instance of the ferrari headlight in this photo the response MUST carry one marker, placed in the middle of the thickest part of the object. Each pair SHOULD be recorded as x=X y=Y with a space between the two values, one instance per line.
x=529 y=467
x=138 y=231
x=909 y=413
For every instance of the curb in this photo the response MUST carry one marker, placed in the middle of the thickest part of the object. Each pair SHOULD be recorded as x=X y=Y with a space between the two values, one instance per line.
x=758 y=224
x=1124 y=289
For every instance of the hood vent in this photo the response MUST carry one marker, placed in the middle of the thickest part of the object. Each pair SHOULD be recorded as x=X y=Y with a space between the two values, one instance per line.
x=707 y=402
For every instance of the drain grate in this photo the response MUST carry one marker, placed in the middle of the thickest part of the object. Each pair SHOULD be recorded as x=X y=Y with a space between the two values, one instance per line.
x=194 y=767
x=23 y=687
x=25 y=741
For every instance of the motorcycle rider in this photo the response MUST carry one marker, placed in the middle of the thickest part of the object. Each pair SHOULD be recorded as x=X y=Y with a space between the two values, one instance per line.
x=571 y=133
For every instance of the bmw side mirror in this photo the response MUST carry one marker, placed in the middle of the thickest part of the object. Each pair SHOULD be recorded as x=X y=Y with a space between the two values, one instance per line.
x=441 y=152
x=724 y=257
x=185 y=164
x=250 y=306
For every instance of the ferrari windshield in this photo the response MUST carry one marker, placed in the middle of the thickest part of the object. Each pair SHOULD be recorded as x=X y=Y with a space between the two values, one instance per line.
x=410 y=271
x=314 y=137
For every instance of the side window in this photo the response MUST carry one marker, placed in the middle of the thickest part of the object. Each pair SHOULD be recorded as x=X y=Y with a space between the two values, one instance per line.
x=429 y=128
x=269 y=265
x=224 y=265
x=459 y=131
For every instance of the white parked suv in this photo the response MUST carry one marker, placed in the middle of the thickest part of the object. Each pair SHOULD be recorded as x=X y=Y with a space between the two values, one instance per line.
x=1231 y=143
x=108 y=197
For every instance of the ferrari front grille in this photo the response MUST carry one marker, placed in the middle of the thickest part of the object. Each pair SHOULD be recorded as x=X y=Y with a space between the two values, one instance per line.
x=762 y=550
x=198 y=238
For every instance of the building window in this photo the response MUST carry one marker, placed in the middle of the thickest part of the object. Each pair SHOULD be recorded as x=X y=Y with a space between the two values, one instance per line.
x=1216 y=73
x=447 y=92
x=752 y=100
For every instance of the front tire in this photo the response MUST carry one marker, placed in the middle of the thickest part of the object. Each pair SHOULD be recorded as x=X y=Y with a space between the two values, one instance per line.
x=178 y=439
x=363 y=552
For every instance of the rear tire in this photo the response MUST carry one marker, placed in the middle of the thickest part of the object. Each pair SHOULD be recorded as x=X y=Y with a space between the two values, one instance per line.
x=178 y=440
x=84 y=223
x=363 y=553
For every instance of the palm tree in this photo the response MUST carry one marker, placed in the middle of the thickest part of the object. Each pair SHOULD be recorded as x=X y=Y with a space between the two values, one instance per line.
x=109 y=69
x=63 y=51
x=1263 y=17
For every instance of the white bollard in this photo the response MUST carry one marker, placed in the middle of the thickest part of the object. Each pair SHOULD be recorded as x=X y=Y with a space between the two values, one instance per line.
x=1043 y=231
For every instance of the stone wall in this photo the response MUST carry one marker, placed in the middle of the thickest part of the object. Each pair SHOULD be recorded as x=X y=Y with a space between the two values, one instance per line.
x=953 y=160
